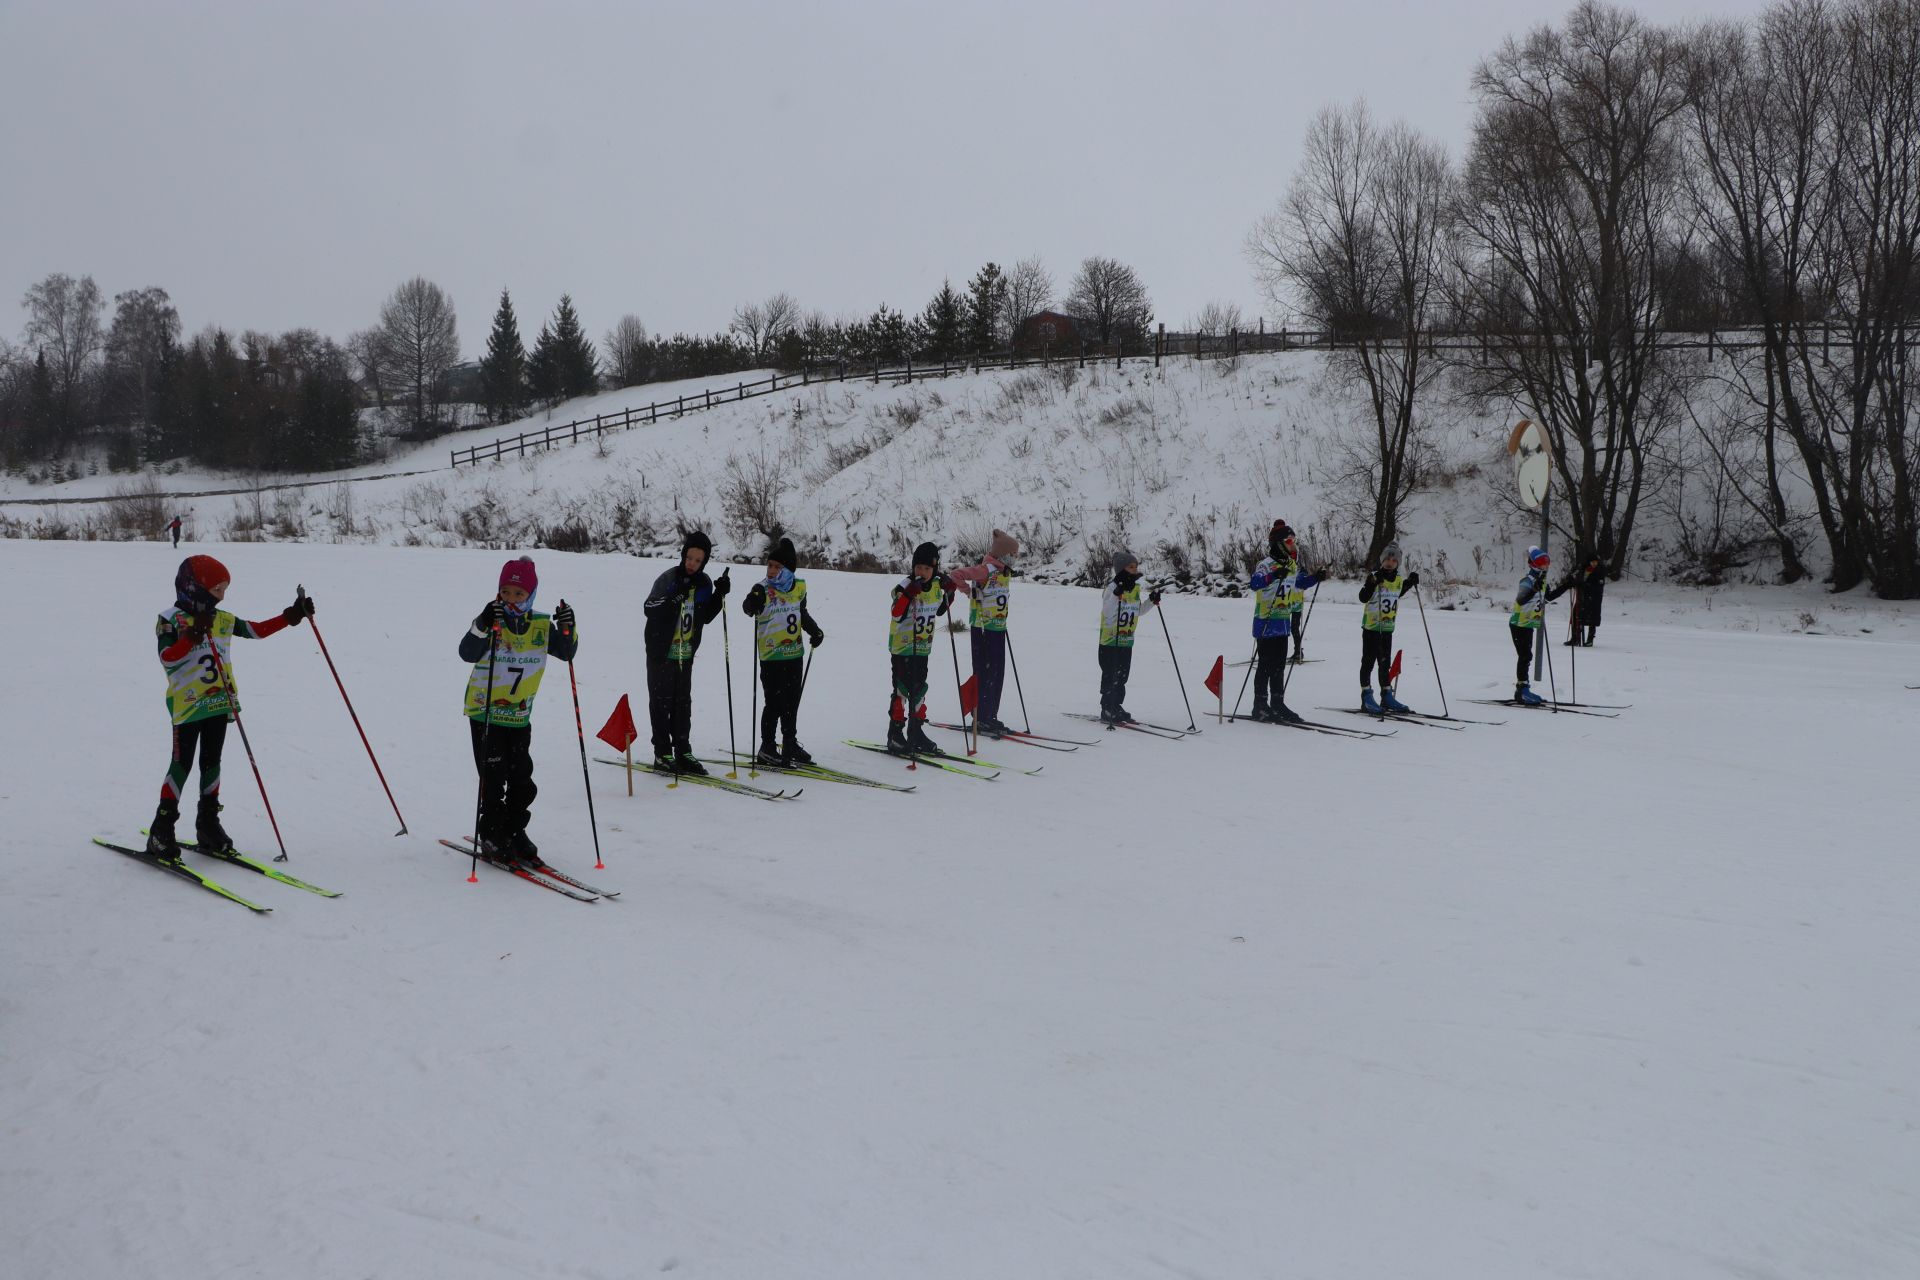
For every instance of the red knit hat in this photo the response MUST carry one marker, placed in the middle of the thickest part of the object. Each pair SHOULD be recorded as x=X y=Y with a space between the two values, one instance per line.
x=207 y=571
x=519 y=573
x=194 y=583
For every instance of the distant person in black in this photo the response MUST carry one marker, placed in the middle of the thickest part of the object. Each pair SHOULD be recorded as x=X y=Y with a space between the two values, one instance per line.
x=1589 y=585
x=683 y=601
x=173 y=527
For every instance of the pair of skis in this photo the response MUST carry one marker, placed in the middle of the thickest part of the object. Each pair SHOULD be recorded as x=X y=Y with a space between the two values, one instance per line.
x=816 y=771
x=1318 y=726
x=707 y=780
x=1604 y=710
x=540 y=873
x=178 y=867
x=1138 y=726
x=1019 y=737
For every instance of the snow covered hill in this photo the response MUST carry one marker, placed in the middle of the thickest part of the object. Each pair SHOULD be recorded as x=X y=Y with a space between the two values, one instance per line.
x=1554 y=998
x=1187 y=463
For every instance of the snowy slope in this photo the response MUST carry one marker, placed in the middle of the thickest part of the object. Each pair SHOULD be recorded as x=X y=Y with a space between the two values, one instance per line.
x=1559 y=998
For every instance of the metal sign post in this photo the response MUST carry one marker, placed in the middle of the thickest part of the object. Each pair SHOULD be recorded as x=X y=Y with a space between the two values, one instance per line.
x=1533 y=476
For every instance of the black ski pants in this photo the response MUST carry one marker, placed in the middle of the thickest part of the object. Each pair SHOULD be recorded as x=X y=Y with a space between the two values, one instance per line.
x=990 y=669
x=780 y=690
x=1523 y=651
x=209 y=737
x=505 y=763
x=1376 y=648
x=1116 y=665
x=1270 y=672
x=670 y=704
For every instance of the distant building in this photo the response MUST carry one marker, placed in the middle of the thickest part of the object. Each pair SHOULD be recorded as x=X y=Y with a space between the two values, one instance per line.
x=1049 y=331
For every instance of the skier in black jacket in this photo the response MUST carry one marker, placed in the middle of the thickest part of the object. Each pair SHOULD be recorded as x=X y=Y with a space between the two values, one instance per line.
x=683 y=601
x=1589 y=586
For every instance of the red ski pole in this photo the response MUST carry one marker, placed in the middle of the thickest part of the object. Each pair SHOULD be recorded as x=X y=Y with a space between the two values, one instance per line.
x=301 y=593
x=233 y=709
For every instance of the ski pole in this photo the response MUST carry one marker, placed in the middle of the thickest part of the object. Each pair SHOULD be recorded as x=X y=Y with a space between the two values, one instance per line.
x=580 y=728
x=679 y=670
x=960 y=696
x=1548 y=646
x=726 y=650
x=1431 y=656
x=301 y=594
x=1193 y=726
x=1573 y=658
x=753 y=703
x=1252 y=660
x=486 y=736
x=233 y=702
x=1015 y=663
x=1301 y=644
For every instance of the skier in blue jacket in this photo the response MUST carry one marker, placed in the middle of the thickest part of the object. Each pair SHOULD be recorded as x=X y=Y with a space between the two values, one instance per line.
x=1274 y=580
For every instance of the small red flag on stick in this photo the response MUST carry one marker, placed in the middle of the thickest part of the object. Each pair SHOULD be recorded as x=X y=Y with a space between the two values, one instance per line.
x=1216 y=685
x=619 y=733
x=1393 y=673
x=969 y=696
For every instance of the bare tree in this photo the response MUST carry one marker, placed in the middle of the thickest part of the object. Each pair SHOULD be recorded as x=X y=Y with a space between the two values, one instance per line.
x=749 y=324
x=629 y=354
x=63 y=323
x=419 y=341
x=1029 y=291
x=779 y=315
x=1217 y=320
x=1569 y=210
x=370 y=359
x=1110 y=298
x=1360 y=242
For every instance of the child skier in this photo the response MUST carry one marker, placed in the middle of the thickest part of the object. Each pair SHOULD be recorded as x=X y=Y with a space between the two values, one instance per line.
x=683 y=601
x=1275 y=581
x=173 y=528
x=1120 y=611
x=988 y=584
x=1529 y=612
x=919 y=600
x=779 y=606
x=508 y=645
x=194 y=638
x=1381 y=594
x=1589 y=585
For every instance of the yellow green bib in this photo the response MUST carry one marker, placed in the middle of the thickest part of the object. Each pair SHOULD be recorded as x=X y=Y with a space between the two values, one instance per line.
x=990 y=600
x=194 y=689
x=777 y=630
x=911 y=634
x=1384 y=607
x=518 y=663
x=1119 y=615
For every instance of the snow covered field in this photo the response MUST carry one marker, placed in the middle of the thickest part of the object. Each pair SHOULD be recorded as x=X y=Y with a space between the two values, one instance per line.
x=1559 y=998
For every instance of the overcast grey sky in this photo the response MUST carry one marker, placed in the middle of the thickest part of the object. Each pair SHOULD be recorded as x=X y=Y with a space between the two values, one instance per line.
x=274 y=165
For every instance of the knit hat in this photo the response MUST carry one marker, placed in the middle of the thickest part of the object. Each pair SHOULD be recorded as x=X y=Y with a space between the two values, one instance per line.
x=926 y=554
x=1538 y=558
x=696 y=538
x=1122 y=558
x=1390 y=552
x=519 y=573
x=781 y=551
x=1004 y=546
x=194 y=583
x=1279 y=537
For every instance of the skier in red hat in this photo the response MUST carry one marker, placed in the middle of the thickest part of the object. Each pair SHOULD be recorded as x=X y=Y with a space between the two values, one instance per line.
x=194 y=638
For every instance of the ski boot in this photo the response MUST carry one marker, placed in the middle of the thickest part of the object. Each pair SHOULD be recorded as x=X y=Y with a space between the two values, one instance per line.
x=1260 y=714
x=918 y=739
x=207 y=831
x=795 y=755
x=897 y=738
x=769 y=756
x=1526 y=697
x=685 y=763
x=161 y=842
x=494 y=844
x=1282 y=714
x=992 y=728
x=521 y=850
x=1393 y=704
x=1368 y=705
x=1107 y=716
x=1122 y=716
x=663 y=764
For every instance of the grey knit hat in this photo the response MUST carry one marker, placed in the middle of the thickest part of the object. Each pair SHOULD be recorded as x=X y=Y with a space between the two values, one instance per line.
x=1122 y=558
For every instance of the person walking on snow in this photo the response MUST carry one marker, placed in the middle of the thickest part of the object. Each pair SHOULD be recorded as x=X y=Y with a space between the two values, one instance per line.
x=683 y=601
x=194 y=637
x=1120 y=611
x=1275 y=580
x=1589 y=585
x=509 y=644
x=919 y=601
x=173 y=527
x=779 y=607
x=1381 y=594
x=1529 y=612
x=988 y=585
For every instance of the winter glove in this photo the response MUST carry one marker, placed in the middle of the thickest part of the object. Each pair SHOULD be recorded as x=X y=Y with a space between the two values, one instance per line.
x=563 y=618
x=1413 y=580
x=1373 y=577
x=946 y=584
x=818 y=637
x=915 y=586
x=1119 y=590
x=197 y=630
x=302 y=607
x=724 y=585
x=490 y=617
x=756 y=601
x=1154 y=595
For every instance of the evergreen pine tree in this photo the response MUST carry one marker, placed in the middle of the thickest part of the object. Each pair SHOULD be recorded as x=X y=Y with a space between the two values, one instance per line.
x=543 y=368
x=986 y=309
x=944 y=324
x=503 y=370
x=43 y=410
x=576 y=363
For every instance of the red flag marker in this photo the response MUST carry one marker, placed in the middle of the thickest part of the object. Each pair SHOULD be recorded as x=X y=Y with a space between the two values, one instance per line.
x=618 y=732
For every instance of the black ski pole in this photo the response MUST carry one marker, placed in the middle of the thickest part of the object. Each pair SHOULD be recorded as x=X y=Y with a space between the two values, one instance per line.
x=1431 y=656
x=726 y=650
x=580 y=728
x=1300 y=645
x=1014 y=663
x=1547 y=644
x=960 y=694
x=1193 y=726
x=233 y=709
x=486 y=737
x=301 y=592
x=753 y=702
x=1253 y=660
